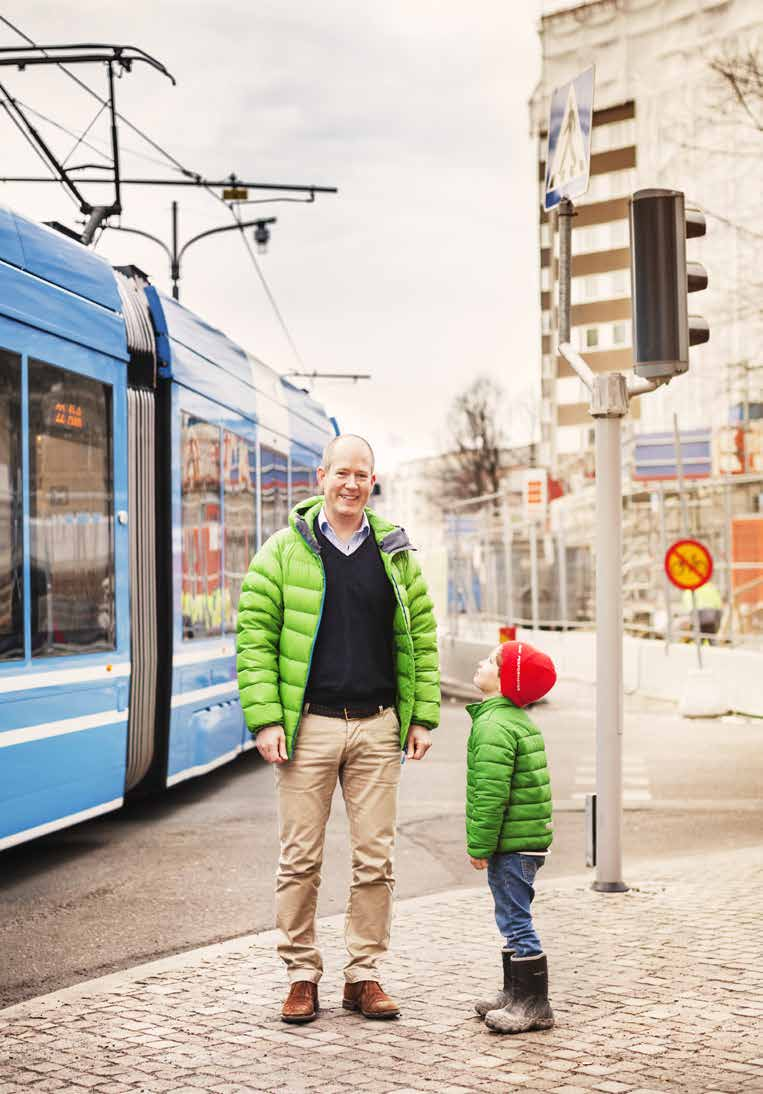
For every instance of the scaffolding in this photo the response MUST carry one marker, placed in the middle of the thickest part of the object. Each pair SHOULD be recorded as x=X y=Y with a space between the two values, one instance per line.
x=503 y=568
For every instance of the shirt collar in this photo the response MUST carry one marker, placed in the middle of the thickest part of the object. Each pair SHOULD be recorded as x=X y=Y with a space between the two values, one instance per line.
x=324 y=524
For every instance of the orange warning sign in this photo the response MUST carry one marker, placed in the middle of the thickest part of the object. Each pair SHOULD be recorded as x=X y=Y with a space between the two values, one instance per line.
x=688 y=564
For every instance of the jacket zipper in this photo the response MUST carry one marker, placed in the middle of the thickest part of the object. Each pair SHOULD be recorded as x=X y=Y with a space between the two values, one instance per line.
x=312 y=649
x=405 y=620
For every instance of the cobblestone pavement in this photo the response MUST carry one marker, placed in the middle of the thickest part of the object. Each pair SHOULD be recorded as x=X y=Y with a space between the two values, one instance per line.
x=658 y=989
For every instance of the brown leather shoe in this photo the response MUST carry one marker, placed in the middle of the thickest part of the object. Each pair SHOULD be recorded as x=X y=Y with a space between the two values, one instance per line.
x=301 y=1003
x=368 y=997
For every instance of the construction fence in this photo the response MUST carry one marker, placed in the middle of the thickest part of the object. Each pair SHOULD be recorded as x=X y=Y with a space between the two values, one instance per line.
x=504 y=569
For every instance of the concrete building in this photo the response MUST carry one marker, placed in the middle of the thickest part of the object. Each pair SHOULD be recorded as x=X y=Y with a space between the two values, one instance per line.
x=662 y=118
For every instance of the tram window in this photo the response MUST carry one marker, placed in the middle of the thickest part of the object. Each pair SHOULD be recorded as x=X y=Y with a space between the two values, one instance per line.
x=11 y=543
x=274 y=472
x=303 y=484
x=240 y=487
x=71 y=498
x=202 y=594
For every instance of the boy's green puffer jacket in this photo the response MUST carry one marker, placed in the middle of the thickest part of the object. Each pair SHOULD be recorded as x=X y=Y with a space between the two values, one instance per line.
x=280 y=610
x=508 y=790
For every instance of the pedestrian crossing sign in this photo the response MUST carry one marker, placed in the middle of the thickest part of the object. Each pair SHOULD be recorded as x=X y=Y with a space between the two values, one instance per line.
x=568 y=158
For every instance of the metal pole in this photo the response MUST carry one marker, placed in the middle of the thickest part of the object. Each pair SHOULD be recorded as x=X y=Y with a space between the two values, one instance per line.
x=509 y=572
x=665 y=579
x=562 y=547
x=609 y=657
x=565 y=215
x=175 y=261
x=729 y=590
x=685 y=524
x=534 y=572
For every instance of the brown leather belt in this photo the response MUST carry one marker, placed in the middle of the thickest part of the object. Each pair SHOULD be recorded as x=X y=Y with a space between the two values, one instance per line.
x=348 y=713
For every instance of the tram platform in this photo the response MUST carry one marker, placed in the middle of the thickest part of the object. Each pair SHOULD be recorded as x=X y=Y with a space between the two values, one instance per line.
x=656 y=989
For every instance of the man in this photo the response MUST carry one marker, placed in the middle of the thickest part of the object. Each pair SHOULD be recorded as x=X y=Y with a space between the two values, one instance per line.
x=707 y=603
x=338 y=671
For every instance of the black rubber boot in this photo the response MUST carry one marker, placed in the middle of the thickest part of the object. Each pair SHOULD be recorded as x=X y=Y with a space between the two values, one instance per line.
x=529 y=1007
x=503 y=997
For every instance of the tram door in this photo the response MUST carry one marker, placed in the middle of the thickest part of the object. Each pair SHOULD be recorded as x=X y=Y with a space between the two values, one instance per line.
x=64 y=652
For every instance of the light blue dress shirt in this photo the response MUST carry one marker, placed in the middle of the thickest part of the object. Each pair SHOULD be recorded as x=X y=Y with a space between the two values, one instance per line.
x=356 y=540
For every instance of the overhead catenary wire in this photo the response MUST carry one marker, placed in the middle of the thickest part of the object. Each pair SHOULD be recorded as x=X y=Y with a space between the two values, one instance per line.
x=94 y=94
x=34 y=147
x=87 y=144
x=81 y=138
x=184 y=171
x=269 y=294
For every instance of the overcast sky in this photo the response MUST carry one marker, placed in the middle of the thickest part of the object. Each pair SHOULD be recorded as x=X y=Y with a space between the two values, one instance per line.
x=422 y=271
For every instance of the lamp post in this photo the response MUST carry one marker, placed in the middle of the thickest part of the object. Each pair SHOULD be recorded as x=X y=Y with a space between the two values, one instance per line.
x=175 y=255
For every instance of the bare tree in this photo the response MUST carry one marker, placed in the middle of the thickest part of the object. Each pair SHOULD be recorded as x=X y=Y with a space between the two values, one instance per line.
x=741 y=73
x=477 y=439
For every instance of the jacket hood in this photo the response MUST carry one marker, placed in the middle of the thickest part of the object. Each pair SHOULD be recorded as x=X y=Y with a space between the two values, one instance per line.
x=390 y=537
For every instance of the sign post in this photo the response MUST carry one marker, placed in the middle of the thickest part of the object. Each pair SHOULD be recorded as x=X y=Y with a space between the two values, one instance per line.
x=568 y=162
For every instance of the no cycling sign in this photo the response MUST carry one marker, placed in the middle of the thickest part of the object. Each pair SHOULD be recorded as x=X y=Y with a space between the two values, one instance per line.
x=688 y=564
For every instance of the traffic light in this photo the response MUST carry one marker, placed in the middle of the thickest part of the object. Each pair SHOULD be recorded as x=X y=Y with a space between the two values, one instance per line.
x=661 y=277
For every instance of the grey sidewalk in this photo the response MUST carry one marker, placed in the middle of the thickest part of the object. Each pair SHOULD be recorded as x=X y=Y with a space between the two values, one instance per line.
x=659 y=989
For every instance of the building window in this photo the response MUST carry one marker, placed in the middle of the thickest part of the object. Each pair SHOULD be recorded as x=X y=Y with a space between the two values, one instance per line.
x=545 y=234
x=591 y=337
x=201 y=591
x=619 y=334
x=619 y=283
x=618 y=233
x=11 y=541
x=71 y=499
x=273 y=491
x=240 y=533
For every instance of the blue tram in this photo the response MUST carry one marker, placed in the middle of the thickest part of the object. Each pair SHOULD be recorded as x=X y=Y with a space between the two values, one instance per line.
x=144 y=456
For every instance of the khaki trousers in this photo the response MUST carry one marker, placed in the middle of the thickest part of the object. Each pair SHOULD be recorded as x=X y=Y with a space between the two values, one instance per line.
x=364 y=755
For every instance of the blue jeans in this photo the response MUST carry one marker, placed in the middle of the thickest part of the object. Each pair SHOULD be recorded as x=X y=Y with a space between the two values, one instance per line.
x=511 y=878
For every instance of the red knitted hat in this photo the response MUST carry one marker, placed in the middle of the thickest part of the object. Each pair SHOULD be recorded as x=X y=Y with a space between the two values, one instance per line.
x=526 y=673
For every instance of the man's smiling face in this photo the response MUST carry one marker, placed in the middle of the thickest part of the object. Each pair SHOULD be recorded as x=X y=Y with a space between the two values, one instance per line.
x=348 y=480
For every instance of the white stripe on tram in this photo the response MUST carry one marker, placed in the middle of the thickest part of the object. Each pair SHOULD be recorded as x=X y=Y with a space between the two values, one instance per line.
x=196 y=656
x=186 y=697
x=202 y=769
x=57 y=677
x=60 y=822
x=44 y=730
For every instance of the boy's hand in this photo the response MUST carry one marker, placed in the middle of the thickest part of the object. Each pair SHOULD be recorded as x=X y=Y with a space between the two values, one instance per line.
x=478 y=863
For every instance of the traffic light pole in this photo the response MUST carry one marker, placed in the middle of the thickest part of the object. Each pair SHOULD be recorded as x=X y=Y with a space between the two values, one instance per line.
x=610 y=394
x=609 y=405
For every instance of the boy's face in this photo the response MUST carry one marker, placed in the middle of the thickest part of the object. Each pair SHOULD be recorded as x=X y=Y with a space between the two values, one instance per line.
x=487 y=677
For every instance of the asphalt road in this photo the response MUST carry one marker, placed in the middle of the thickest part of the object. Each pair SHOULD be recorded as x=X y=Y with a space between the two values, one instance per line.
x=196 y=865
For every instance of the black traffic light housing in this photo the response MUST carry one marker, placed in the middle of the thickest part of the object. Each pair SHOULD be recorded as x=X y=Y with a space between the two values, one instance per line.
x=661 y=278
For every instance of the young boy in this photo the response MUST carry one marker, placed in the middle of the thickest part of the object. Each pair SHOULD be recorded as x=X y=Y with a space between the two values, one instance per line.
x=508 y=824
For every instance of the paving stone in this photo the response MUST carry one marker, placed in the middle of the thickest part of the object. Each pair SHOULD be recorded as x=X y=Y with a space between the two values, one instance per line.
x=638 y=1012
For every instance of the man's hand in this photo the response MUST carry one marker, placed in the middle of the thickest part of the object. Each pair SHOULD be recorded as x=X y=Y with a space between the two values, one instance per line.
x=419 y=743
x=271 y=745
x=478 y=863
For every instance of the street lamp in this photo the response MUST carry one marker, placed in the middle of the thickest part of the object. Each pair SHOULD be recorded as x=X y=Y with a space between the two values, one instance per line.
x=261 y=237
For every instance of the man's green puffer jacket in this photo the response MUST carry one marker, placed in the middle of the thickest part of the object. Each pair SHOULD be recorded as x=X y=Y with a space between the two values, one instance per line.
x=508 y=790
x=280 y=610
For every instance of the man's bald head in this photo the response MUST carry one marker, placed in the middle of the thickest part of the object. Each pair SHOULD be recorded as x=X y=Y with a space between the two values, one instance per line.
x=346 y=444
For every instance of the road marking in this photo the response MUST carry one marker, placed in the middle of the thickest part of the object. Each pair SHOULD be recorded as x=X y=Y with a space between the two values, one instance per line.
x=635 y=779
